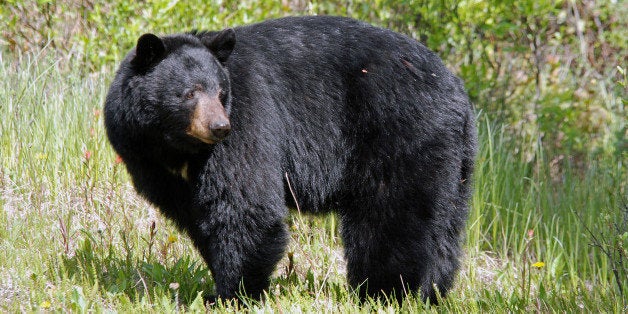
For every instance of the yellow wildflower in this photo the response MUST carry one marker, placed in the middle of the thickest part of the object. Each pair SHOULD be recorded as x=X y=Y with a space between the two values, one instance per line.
x=45 y=305
x=172 y=238
x=538 y=265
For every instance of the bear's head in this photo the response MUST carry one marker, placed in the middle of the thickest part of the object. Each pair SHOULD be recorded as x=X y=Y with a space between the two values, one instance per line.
x=172 y=91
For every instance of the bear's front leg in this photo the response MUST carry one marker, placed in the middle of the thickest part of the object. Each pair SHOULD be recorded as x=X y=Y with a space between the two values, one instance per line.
x=241 y=245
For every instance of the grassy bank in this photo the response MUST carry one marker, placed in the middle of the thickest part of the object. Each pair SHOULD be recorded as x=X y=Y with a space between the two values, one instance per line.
x=74 y=235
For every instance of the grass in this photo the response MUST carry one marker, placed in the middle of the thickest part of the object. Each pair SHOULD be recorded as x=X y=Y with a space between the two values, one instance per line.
x=74 y=235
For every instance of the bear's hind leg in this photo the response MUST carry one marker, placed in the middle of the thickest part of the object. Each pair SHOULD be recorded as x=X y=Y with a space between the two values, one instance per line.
x=396 y=252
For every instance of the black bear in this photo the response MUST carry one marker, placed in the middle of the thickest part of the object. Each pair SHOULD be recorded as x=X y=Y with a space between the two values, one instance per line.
x=219 y=129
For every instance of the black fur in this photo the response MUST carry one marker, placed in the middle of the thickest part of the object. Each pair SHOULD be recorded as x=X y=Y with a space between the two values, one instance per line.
x=363 y=121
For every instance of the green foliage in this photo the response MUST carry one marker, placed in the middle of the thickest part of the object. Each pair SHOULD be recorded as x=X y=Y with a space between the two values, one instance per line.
x=572 y=221
x=609 y=235
x=134 y=278
x=546 y=68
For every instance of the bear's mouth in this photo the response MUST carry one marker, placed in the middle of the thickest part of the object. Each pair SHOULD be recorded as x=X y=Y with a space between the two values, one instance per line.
x=203 y=134
x=205 y=139
x=208 y=122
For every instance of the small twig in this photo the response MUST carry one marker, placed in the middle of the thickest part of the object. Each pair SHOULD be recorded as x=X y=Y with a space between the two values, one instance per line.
x=144 y=285
x=324 y=282
x=65 y=237
x=609 y=252
x=583 y=42
x=294 y=197
x=403 y=286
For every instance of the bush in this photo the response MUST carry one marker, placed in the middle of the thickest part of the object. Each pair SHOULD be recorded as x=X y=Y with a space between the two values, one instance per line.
x=551 y=70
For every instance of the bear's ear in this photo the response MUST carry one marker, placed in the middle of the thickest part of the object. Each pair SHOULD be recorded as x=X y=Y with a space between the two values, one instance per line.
x=220 y=44
x=150 y=50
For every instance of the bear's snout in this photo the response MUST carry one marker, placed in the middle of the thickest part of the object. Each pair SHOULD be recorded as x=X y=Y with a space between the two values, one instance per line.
x=221 y=129
x=209 y=122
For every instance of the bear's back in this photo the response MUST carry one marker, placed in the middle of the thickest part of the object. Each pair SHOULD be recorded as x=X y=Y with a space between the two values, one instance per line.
x=343 y=42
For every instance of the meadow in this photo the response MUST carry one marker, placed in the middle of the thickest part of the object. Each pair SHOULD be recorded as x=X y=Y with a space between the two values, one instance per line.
x=547 y=229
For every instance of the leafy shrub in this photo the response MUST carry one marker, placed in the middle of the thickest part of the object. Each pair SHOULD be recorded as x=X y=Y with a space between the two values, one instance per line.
x=548 y=69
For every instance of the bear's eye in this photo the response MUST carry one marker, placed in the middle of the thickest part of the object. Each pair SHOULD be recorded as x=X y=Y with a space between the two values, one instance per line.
x=190 y=94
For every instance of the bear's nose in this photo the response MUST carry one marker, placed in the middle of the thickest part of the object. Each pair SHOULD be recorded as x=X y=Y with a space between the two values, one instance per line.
x=220 y=130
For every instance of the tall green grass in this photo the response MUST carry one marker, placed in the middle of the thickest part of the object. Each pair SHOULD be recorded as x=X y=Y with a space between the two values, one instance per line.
x=74 y=235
